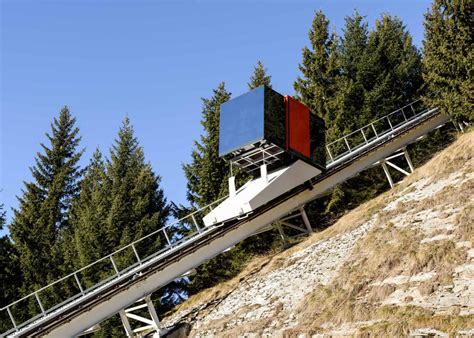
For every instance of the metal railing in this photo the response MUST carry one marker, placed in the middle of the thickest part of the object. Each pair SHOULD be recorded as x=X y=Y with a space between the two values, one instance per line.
x=376 y=129
x=161 y=241
x=166 y=240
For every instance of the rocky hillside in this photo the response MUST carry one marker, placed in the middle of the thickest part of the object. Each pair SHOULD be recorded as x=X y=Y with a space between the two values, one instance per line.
x=401 y=264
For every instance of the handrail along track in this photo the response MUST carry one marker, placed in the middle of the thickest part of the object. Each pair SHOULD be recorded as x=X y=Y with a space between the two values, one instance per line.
x=363 y=142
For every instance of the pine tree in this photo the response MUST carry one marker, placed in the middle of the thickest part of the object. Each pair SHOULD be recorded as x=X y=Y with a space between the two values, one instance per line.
x=9 y=273
x=449 y=57
x=259 y=77
x=319 y=69
x=43 y=210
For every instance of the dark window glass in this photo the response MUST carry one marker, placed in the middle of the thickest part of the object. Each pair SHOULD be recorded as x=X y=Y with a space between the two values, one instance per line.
x=241 y=121
x=275 y=118
x=317 y=140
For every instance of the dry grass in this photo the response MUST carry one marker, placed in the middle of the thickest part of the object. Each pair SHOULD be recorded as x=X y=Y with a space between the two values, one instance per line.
x=404 y=320
x=221 y=290
x=386 y=251
x=389 y=251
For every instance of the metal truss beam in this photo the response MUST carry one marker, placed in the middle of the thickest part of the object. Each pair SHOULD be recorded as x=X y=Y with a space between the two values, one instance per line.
x=386 y=162
x=126 y=323
x=153 y=323
x=107 y=299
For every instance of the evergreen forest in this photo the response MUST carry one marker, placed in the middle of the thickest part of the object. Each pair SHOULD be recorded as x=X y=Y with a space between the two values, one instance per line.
x=69 y=216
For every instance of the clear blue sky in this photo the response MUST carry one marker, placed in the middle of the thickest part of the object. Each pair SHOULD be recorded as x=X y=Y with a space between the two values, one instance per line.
x=152 y=60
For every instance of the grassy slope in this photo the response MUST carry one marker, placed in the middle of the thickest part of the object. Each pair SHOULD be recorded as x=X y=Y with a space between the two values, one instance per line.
x=357 y=295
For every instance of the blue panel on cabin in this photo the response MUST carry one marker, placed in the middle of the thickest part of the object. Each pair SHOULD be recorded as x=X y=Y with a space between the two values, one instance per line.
x=242 y=121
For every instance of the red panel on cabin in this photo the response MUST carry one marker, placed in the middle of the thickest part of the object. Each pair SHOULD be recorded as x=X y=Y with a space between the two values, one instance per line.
x=297 y=127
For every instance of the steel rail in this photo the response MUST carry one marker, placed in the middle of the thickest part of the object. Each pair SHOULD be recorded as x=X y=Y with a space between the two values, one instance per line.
x=213 y=233
x=371 y=125
x=104 y=258
x=169 y=247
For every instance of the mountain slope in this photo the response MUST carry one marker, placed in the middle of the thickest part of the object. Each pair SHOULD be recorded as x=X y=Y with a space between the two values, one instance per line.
x=401 y=264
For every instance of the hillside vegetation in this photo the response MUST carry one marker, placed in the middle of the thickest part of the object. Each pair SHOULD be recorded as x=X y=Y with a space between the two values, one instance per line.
x=401 y=264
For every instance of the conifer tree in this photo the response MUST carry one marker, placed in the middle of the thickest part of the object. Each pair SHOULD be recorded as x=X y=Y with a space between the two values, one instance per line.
x=449 y=57
x=353 y=45
x=259 y=77
x=367 y=74
x=137 y=203
x=89 y=215
x=44 y=206
x=207 y=181
x=350 y=84
x=120 y=201
x=319 y=68
x=390 y=69
x=207 y=172
x=381 y=71
x=9 y=273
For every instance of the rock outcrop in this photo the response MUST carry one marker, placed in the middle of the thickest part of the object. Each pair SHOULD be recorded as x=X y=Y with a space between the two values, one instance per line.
x=401 y=264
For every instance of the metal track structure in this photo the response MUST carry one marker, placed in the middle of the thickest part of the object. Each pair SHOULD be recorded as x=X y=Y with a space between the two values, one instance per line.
x=174 y=256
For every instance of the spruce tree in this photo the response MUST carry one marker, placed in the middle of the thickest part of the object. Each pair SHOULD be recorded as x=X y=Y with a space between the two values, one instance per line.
x=89 y=215
x=350 y=84
x=207 y=172
x=259 y=77
x=9 y=273
x=319 y=68
x=390 y=69
x=44 y=206
x=381 y=72
x=348 y=103
x=449 y=57
x=137 y=202
x=207 y=181
x=353 y=44
x=318 y=86
x=120 y=201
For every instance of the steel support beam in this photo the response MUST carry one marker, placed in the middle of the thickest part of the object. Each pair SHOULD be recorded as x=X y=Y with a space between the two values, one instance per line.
x=126 y=323
x=403 y=171
x=306 y=221
x=407 y=157
x=99 y=304
x=387 y=173
x=153 y=315
x=289 y=225
x=264 y=173
x=232 y=189
x=282 y=233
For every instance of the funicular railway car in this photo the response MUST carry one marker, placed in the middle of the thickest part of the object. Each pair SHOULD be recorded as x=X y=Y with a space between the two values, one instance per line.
x=276 y=139
x=265 y=127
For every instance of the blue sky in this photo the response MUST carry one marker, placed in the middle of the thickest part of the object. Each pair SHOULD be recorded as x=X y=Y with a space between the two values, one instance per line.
x=152 y=60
